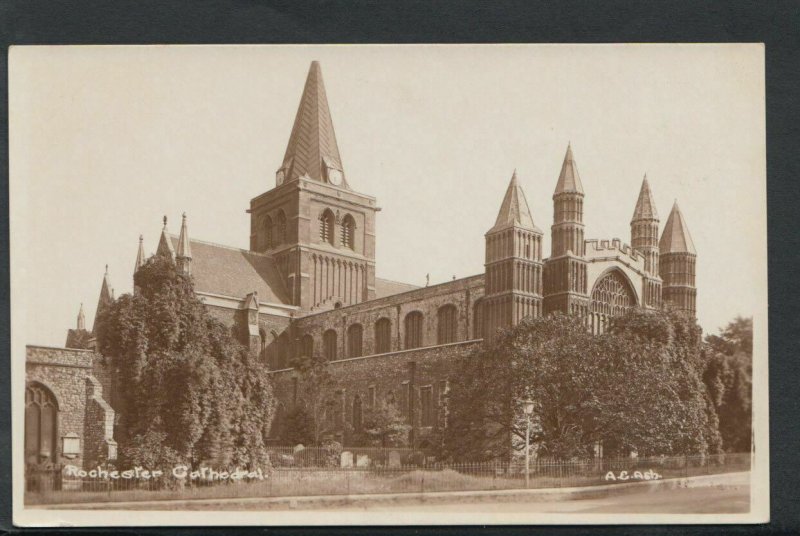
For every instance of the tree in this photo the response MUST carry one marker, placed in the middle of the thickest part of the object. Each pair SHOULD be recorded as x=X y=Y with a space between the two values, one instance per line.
x=298 y=427
x=635 y=387
x=316 y=398
x=187 y=389
x=728 y=378
x=383 y=426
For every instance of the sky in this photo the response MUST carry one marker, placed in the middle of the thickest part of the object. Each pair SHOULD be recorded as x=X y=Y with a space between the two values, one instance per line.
x=105 y=141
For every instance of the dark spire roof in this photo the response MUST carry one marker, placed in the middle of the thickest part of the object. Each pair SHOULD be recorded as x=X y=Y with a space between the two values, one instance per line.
x=676 y=237
x=569 y=180
x=105 y=298
x=312 y=144
x=514 y=212
x=645 y=205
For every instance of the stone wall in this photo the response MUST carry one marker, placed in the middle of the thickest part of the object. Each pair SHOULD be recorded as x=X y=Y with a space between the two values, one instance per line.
x=398 y=375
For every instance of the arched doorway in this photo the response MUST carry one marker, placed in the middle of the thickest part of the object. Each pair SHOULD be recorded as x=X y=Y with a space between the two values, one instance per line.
x=41 y=425
x=612 y=295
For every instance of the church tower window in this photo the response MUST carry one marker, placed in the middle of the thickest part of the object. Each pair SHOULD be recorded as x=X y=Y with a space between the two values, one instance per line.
x=326 y=223
x=348 y=231
x=280 y=237
x=268 y=233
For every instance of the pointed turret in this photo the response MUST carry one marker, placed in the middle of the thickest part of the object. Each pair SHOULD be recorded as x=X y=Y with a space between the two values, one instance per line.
x=676 y=237
x=645 y=205
x=140 y=258
x=514 y=211
x=183 y=257
x=165 y=243
x=312 y=151
x=105 y=299
x=644 y=239
x=81 y=319
x=678 y=263
x=569 y=180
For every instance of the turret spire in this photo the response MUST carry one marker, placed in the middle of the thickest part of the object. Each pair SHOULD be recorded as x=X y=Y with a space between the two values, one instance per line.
x=165 y=243
x=645 y=205
x=184 y=254
x=312 y=151
x=140 y=258
x=569 y=180
x=514 y=211
x=676 y=237
x=105 y=298
x=81 y=318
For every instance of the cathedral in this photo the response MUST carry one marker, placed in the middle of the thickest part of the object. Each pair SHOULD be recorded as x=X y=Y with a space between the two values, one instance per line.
x=307 y=286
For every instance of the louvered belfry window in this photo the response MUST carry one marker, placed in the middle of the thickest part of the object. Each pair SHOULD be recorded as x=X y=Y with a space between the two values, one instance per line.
x=348 y=227
x=326 y=227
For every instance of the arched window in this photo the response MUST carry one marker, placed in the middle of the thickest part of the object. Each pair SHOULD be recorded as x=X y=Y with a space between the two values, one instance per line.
x=283 y=351
x=357 y=418
x=413 y=328
x=348 y=231
x=307 y=346
x=280 y=235
x=329 y=344
x=41 y=425
x=477 y=320
x=446 y=324
x=326 y=222
x=262 y=335
x=383 y=336
x=268 y=233
x=354 y=340
x=611 y=296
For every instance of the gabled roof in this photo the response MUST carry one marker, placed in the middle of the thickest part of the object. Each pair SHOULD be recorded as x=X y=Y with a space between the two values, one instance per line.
x=676 y=237
x=312 y=144
x=569 y=180
x=645 y=205
x=514 y=212
x=385 y=287
x=234 y=272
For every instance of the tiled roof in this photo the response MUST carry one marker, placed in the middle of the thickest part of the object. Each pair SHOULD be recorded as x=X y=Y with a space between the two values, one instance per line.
x=235 y=272
x=514 y=212
x=676 y=237
x=569 y=180
x=645 y=205
x=385 y=287
x=312 y=144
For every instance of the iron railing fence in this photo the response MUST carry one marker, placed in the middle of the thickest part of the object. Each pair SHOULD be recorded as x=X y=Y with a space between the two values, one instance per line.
x=61 y=485
x=282 y=456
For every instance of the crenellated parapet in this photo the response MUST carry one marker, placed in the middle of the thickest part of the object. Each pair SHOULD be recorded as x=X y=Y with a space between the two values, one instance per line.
x=614 y=249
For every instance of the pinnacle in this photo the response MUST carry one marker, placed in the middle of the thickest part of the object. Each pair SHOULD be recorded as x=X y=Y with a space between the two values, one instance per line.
x=645 y=205
x=514 y=211
x=569 y=181
x=676 y=237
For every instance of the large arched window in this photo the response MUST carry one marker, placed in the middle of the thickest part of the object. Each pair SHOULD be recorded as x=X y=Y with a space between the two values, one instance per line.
x=41 y=425
x=329 y=345
x=357 y=417
x=326 y=222
x=446 y=324
x=307 y=346
x=413 y=328
x=348 y=231
x=354 y=340
x=383 y=336
x=477 y=320
x=268 y=233
x=280 y=224
x=612 y=295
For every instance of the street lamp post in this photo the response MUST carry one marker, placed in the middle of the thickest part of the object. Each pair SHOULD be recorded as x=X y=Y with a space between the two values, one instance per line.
x=528 y=408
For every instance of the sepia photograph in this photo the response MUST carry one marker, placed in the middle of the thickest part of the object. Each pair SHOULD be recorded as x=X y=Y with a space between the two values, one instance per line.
x=388 y=284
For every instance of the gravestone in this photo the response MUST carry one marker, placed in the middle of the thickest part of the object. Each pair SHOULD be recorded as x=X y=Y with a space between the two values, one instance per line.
x=347 y=459
x=362 y=460
x=394 y=459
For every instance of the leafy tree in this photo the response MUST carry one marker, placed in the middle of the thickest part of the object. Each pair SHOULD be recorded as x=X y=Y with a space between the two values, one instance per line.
x=728 y=377
x=635 y=387
x=298 y=427
x=317 y=392
x=383 y=426
x=186 y=388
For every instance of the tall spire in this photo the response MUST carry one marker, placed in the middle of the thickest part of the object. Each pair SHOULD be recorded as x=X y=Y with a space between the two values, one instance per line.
x=165 y=243
x=568 y=179
x=645 y=205
x=140 y=258
x=514 y=212
x=676 y=237
x=105 y=298
x=312 y=150
x=81 y=318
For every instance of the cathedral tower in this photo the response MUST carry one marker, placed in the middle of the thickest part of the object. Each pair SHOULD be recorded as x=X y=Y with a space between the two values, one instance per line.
x=644 y=239
x=678 y=262
x=565 y=275
x=513 y=279
x=320 y=232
